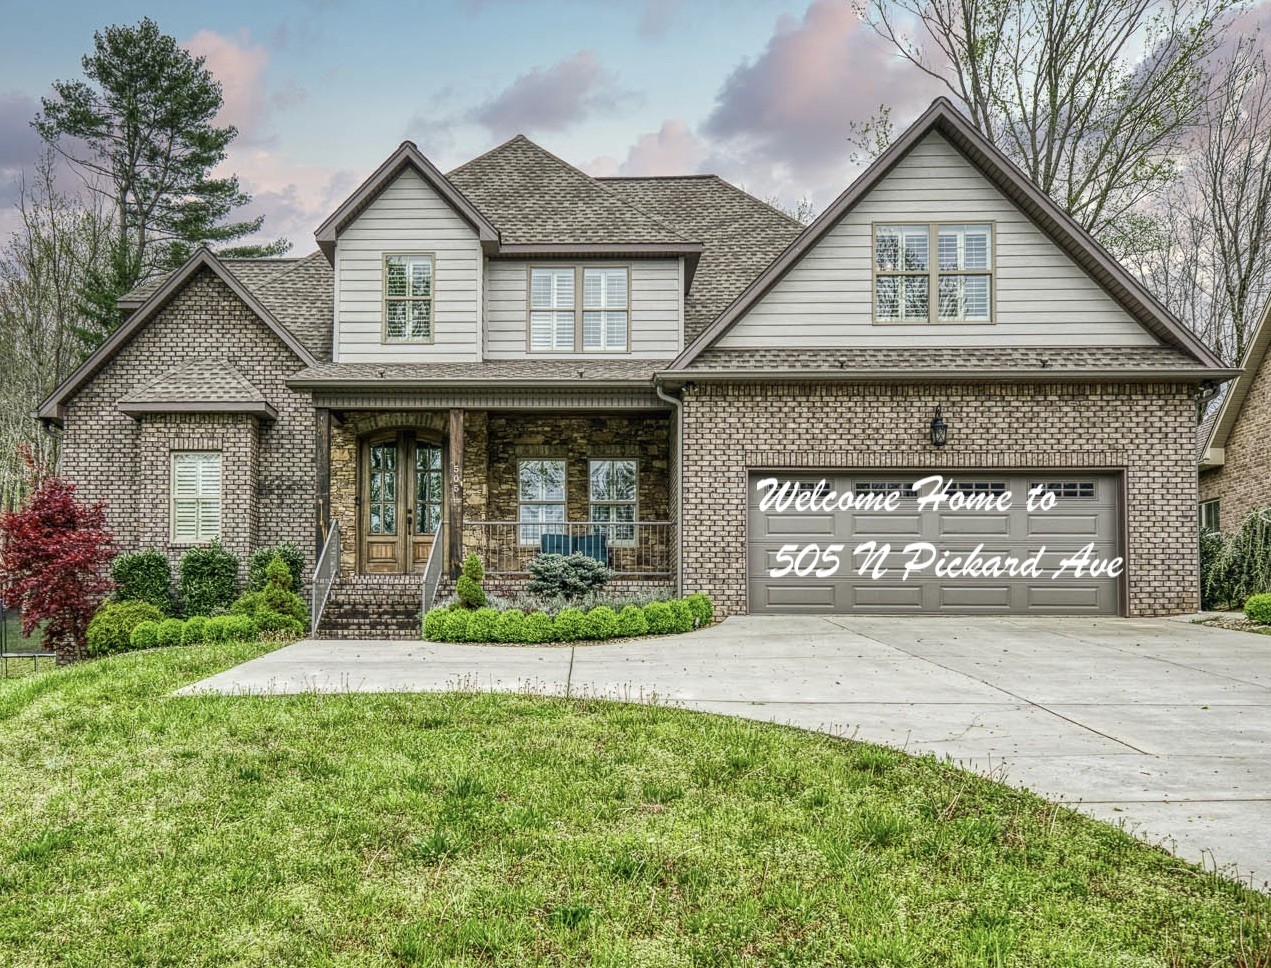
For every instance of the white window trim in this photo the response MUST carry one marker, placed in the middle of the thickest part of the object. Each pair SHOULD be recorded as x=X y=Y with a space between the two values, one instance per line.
x=933 y=273
x=198 y=501
x=634 y=503
x=1202 y=510
x=563 y=503
x=431 y=299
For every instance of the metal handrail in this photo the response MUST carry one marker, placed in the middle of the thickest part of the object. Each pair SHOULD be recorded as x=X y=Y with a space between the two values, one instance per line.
x=325 y=573
x=635 y=548
x=433 y=569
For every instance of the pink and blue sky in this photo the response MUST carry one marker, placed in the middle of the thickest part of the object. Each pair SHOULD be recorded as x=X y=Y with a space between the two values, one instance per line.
x=760 y=91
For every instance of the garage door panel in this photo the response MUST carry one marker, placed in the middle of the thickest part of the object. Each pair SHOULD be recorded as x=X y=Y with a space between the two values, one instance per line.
x=1085 y=512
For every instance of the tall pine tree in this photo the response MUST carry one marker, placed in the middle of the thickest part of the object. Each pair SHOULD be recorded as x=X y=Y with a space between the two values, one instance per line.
x=140 y=129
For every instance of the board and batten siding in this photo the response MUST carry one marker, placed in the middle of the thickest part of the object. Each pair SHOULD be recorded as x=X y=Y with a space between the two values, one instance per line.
x=1042 y=297
x=408 y=216
x=655 y=304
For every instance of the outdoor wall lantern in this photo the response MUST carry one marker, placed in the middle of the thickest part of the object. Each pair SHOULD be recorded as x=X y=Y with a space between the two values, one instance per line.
x=939 y=430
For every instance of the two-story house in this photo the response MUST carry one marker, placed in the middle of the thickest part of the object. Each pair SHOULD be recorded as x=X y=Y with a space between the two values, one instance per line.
x=515 y=354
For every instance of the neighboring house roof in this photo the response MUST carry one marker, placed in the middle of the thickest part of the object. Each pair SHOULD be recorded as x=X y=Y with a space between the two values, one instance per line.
x=487 y=372
x=741 y=234
x=1222 y=416
x=51 y=407
x=535 y=198
x=1203 y=431
x=406 y=156
x=1022 y=363
x=1075 y=241
x=200 y=386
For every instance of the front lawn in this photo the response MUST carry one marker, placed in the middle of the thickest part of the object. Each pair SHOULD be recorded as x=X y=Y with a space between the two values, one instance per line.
x=142 y=828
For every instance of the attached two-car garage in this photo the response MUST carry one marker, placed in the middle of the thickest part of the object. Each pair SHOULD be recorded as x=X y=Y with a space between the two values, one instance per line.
x=976 y=548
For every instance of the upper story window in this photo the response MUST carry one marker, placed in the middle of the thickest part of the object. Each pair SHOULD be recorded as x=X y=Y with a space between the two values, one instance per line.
x=196 y=496
x=408 y=298
x=562 y=297
x=958 y=282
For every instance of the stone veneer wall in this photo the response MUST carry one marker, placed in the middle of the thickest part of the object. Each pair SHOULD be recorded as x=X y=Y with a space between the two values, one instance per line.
x=1243 y=483
x=268 y=472
x=1148 y=430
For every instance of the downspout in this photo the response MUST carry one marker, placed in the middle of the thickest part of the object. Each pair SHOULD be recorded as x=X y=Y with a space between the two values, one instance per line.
x=678 y=406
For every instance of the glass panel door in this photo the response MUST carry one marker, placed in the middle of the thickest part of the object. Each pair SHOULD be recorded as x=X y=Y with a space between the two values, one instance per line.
x=427 y=487
x=383 y=488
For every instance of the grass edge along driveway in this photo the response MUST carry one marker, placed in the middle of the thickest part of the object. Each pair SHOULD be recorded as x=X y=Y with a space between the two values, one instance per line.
x=145 y=828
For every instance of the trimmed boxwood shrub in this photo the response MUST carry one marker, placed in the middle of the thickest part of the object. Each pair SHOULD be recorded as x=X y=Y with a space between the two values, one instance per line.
x=229 y=628
x=631 y=622
x=538 y=627
x=110 y=630
x=681 y=616
x=275 y=598
x=659 y=617
x=456 y=627
x=279 y=626
x=209 y=579
x=1258 y=609
x=258 y=564
x=143 y=576
x=468 y=588
x=570 y=625
x=144 y=636
x=600 y=623
x=511 y=626
x=194 y=631
x=435 y=624
x=171 y=631
x=699 y=603
x=482 y=625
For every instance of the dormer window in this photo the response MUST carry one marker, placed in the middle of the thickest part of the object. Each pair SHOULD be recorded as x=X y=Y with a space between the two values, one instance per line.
x=959 y=281
x=579 y=309
x=408 y=298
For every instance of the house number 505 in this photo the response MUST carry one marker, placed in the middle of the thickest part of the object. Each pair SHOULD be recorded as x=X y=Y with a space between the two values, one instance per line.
x=805 y=561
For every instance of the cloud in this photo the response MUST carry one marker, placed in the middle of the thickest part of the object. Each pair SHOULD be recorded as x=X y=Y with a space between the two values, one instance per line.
x=781 y=121
x=19 y=146
x=294 y=197
x=550 y=98
x=671 y=150
x=240 y=68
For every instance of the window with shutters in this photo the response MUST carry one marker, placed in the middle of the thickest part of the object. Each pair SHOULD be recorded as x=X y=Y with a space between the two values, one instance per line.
x=196 y=496
x=957 y=281
x=577 y=309
x=408 y=298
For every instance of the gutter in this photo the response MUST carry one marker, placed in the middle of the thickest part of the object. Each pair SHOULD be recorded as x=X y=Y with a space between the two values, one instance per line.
x=678 y=406
x=384 y=383
x=1031 y=375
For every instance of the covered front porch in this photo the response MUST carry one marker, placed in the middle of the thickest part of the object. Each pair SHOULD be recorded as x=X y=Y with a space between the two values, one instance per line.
x=411 y=492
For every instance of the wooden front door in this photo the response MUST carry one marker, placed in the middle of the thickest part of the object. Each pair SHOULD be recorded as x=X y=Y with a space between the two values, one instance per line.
x=401 y=497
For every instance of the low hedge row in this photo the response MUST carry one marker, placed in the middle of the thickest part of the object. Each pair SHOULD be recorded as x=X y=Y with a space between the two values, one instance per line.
x=173 y=631
x=457 y=624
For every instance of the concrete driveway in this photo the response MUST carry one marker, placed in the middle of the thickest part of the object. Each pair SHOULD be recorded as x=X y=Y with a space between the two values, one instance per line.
x=1160 y=724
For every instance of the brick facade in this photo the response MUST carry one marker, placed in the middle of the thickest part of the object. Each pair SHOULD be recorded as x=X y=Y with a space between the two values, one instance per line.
x=268 y=467
x=1147 y=430
x=1243 y=483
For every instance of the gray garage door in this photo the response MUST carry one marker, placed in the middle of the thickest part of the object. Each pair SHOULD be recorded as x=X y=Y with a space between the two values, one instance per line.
x=1085 y=511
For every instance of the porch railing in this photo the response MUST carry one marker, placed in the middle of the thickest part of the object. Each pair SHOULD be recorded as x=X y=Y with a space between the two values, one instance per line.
x=434 y=567
x=633 y=549
x=325 y=573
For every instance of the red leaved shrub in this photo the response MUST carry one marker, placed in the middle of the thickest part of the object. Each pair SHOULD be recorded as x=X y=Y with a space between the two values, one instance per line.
x=54 y=554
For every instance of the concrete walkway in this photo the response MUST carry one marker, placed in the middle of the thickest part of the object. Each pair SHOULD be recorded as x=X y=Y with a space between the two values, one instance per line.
x=1159 y=724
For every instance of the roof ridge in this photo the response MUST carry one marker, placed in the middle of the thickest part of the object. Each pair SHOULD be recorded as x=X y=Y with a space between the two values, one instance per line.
x=485 y=154
x=297 y=262
x=585 y=177
x=707 y=176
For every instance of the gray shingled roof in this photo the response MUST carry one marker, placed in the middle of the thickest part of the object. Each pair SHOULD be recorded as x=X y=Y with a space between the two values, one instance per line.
x=199 y=381
x=532 y=197
x=1152 y=358
x=299 y=291
x=1205 y=429
x=586 y=371
x=742 y=235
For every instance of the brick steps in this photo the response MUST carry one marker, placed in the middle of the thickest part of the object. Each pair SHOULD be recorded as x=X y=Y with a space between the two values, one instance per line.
x=372 y=607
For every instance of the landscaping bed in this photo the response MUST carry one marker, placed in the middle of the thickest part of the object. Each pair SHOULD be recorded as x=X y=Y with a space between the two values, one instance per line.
x=147 y=828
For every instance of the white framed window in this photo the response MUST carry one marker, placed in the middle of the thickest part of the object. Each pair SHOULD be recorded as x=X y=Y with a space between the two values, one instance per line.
x=1209 y=516
x=541 y=499
x=408 y=297
x=552 y=310
x=612 y=498
x=196 y=496
x=605 y=310
x=959 y=280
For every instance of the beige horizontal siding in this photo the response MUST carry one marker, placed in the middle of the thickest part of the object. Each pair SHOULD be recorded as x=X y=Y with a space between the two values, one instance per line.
x=654 y=299
x=408 y=216
x=1042 y=297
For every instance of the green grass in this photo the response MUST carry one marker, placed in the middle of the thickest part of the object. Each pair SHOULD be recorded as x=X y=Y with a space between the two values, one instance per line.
x=141 y=828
